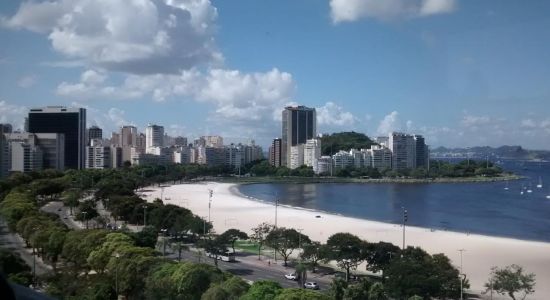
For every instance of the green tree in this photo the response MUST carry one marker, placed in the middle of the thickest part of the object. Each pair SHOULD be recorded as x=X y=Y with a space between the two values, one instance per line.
x=263 y=289
x=301 y=294
x=147 y=237
x=259 y=235
x=215 y=292
x=511 y=280
x=232 y=235
x=348 y=250
x=338 y=288
x=313 y=253
x=377 y=292
x=14 y=267
x=285 y=240
x=379 y=255
x=358 y=291
x=235 y=287
x=215 y=247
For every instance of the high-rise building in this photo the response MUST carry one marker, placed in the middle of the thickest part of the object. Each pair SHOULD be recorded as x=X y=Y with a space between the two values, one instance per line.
x=116 y=156
x=182 y=155
x=4 y=154
x=312 y=151
x=51 y=145
x=154 y=135
x=275 y=153
x=380 y=157
x=214 y=156
x=342 y=160
x=296 y=156
x=98 y=155
x=299 y=125
x=234 y=156
x=214 y=141
x=422 y=152
x=69 y=121
x=25 y=157
x=94 y=133
x=180 y=141
x=403 y=148
x=323 y=165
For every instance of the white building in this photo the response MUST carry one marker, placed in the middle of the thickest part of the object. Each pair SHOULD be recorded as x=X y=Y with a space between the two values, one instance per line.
x=154 y=137
x=182 y=155
x=312 y=151
x=342 y=160
x=98 y=155
x=358 y=158
x=51 y=148
x=296 y=156
x=323 y=165
x=214 y=141
x=234 y=156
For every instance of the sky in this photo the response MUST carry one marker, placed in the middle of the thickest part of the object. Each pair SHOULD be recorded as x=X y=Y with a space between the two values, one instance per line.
x=462 y=73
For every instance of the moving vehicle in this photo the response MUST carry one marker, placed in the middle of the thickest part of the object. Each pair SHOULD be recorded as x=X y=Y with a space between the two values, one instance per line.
x=311 y=285
x=291 y=276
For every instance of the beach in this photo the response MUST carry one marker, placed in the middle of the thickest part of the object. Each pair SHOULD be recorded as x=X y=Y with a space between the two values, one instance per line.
x=229 y=209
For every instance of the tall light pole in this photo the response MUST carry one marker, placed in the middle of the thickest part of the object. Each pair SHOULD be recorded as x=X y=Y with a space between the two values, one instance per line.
x=405 y=218
x=276 y=205
x=210 y=192
x=84 y=213
x=116 y=274
x=300 y=240
x=461 y=274
x=144 y=216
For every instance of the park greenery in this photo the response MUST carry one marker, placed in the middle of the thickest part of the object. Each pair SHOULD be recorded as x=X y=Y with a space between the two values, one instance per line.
x=106 y=260
x=332 y=143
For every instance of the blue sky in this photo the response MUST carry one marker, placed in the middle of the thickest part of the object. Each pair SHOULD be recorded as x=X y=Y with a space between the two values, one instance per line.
x=462 y=73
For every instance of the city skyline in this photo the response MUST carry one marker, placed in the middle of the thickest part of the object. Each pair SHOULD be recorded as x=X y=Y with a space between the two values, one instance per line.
x=476 y=73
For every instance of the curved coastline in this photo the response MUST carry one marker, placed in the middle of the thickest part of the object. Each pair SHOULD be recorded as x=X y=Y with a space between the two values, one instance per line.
x=231 y=210
x=299 y=180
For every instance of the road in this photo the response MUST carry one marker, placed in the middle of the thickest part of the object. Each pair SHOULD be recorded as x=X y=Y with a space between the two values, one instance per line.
x=247 y=265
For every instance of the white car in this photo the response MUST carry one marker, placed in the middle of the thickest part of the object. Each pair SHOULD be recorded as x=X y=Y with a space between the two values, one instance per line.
x=291 y=276
x=311 y=285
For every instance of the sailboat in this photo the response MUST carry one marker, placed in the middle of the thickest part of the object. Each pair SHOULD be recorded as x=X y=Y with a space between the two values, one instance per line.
x=506 y=187
x=539 y=186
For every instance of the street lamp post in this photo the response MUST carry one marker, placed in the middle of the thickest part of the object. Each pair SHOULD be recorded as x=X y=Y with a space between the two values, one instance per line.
x=116 y=274
x=84 y=213
x=144 y=216
x=461 y=273
x=209 y=203
x=276 y=205
x=405 y=218
x=463 y=277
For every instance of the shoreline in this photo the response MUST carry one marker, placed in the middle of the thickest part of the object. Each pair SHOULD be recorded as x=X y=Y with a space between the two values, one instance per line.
x=231 y=210
x=301 y=180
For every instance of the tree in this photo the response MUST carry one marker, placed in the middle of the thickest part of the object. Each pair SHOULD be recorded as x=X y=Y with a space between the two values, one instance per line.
x=147 y=237
x=338 y=288
x=263 y=289
x=259 y=235
x=285 y=240
x=232 y=235
x=313 y=253
x=235 y=287
x=301 y=294
x=379 y=255
x=418 y=273
x=215 y=292
x=358 y=291
x=215 y=247
x=511 y=280
x=347 y=250
x=301 y=273
x=377 y=292
x=14 y=267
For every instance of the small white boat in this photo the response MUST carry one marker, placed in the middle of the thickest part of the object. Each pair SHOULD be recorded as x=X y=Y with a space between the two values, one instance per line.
x=539 y=186
x=529 y=190
x=506 y=187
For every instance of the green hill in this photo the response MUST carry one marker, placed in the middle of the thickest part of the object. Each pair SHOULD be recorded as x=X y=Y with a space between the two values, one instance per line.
x=332 y=143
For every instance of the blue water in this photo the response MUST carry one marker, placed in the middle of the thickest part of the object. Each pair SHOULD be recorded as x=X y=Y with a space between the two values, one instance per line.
x=484 y=208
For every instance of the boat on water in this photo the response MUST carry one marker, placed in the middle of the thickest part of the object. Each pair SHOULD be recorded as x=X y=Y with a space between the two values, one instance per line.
x=529 y=190
x=506 y=187
x=539 y=186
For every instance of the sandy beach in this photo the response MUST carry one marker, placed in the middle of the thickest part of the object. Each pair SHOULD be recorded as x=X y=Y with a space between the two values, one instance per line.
x=232 y=210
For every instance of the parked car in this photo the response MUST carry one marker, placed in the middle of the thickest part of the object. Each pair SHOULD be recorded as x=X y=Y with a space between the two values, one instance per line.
x=291 y=276
x=311 y=285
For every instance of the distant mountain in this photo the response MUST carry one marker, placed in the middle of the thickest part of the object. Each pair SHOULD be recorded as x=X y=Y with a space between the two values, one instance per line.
x=332 y=143
x=504 y=152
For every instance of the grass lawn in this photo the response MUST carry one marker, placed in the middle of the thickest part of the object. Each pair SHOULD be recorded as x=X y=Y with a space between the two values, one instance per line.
x=251 y=247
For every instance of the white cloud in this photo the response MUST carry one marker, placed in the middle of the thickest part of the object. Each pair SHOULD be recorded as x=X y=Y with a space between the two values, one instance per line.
x=135 y=36
x=12 y=114
x=389 y=123
x=26 y=81
x=353 y=10
x=528 y=123
x=332 y=114
x=473 y=121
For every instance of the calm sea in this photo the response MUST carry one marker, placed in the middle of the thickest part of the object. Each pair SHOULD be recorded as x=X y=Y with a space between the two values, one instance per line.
x=485 y=208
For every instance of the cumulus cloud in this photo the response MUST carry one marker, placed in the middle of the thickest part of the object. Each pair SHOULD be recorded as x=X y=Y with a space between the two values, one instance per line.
x=389 y=123
x=26 y=81
x=167 y=37
x=236 y=95
x=353 y=10
x=332 y=114
x=12 y=114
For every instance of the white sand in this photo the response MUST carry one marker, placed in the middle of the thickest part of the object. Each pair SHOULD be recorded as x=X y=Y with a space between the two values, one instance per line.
x=230 y=210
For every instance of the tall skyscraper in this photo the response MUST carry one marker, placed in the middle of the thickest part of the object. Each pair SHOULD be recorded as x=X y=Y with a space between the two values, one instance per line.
x=299 y=125
x=69 y=121
x=128 y=136
x=94 y=133
x=275 y=153
x=154 y=135
x=403 y=148
x=422 y=152
x=312 y=151
x=4 y=154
